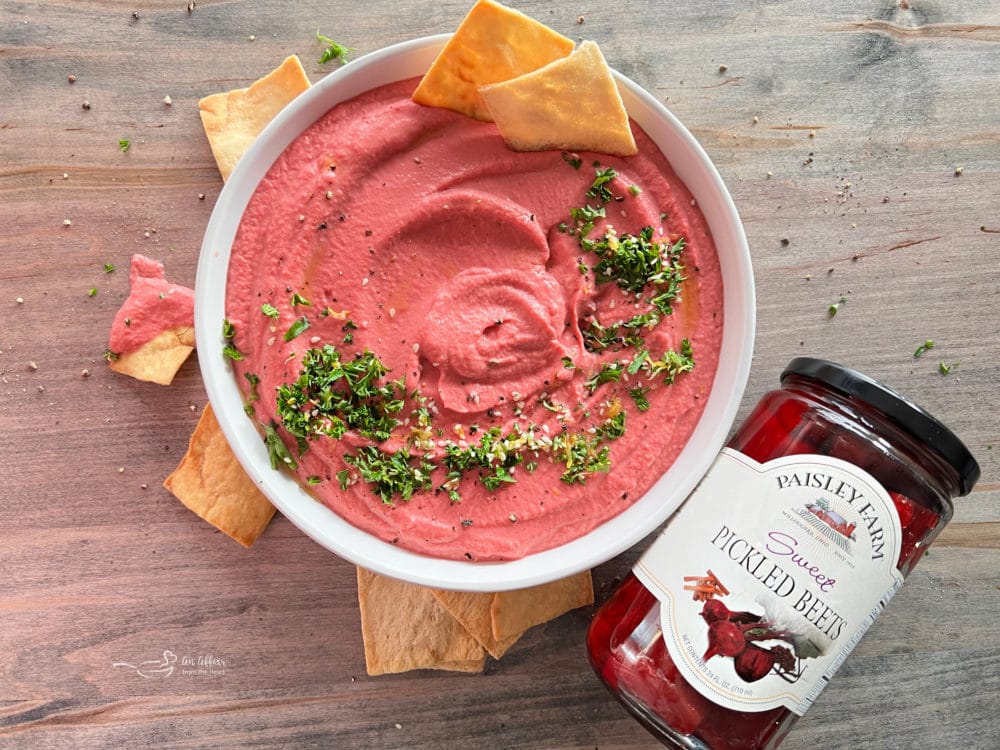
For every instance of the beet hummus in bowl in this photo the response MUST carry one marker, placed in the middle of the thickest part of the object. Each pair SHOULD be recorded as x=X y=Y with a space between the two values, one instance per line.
x=463 y=366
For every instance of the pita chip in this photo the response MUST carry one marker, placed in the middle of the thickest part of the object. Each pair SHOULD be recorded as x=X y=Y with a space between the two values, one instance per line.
x=210 y=481
x=572 y=104
x=514 y=612
x=493 y=43
x=404 y=627
x=153 y=331
x=159 y=359
x=234 y=119
x=474 y=611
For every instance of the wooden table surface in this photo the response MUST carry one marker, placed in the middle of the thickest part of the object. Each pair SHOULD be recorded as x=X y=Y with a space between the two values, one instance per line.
x=861 y=142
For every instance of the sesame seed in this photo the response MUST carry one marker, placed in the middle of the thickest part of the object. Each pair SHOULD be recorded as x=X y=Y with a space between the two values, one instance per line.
x=167 y=100
x=67 y=222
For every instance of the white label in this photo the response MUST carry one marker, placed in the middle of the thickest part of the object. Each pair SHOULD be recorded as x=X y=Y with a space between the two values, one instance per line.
x=770 y=574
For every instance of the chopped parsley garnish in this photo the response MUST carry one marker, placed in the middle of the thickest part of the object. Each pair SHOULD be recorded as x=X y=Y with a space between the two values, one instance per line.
x=835 y=307
x=276 y=449
x=568 y=363
x=298 y=299
x=254 y=382
x=634 y=260
x=493 y=458
x=391 y=474
x=229 y=333
x=343 y=478
x=297 y=327
x=124 y=144
x=610 y=372
x=634 y=189
x=928 y=344
x=574 y=161
x=92 y=292
x=269 y=310
x=333 y=51
x=944 y=369
x=584 y=218
x=110 y=356
x=583 y=455
x=600 y=189
x=638 y=395
x=672 y=363
x=638 y=361
x=109 y=268
x=332 y=396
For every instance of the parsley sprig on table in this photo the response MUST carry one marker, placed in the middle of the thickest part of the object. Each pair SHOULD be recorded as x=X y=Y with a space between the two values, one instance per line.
x=334 y=50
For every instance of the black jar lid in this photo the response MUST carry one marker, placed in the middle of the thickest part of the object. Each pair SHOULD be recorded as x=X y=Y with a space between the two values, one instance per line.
x=900 y=410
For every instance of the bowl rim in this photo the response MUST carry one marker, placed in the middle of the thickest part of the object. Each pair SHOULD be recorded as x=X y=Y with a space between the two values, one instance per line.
x=321 y=524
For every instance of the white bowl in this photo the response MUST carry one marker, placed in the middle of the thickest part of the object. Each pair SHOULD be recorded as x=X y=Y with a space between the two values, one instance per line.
x=691 y=164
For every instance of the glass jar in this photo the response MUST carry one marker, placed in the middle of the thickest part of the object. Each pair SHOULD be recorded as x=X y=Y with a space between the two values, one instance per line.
x=799 y=561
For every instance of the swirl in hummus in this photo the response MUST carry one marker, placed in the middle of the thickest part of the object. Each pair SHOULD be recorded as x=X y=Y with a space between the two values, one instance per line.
x=503 y=381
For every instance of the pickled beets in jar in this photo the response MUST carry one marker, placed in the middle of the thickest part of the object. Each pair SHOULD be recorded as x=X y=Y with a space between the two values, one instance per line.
x=760 y=586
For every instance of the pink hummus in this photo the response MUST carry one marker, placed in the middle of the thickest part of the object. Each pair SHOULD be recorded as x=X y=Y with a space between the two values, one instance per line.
x=154 y=305
x=444 y=248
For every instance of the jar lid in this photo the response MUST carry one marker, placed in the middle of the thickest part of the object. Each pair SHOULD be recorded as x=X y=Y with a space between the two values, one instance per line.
x=900 y=410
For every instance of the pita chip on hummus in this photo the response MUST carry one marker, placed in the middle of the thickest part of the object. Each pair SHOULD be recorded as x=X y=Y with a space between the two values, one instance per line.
x=153 y=331
x=572 y=104
x=232 y=120
x=493 y=43
x=404 y=627
x=210 y=481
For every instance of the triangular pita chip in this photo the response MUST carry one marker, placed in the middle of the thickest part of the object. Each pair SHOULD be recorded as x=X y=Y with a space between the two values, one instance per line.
x=234 y=119
x=572 y=104
x=159 y=359
x=493 y=43
x=210 y=481
x=474 y=611
x=513 y=612
x=404 y=627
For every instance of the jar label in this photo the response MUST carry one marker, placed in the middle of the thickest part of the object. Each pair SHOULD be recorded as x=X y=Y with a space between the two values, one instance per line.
x=770 y=574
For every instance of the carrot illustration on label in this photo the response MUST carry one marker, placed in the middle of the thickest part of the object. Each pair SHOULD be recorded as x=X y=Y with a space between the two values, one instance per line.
x=705 y=587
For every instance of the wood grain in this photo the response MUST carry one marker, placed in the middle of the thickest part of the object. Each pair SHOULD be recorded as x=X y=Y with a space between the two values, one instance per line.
x=839 y=129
